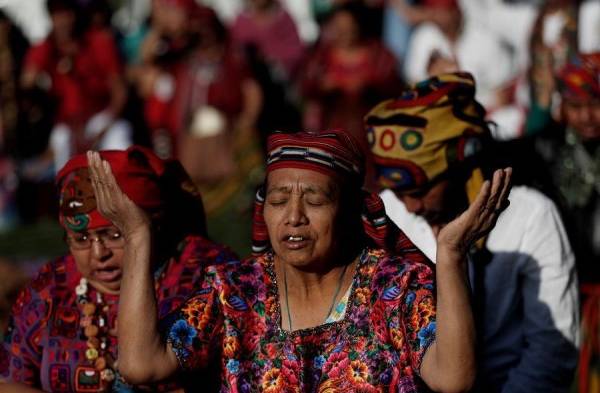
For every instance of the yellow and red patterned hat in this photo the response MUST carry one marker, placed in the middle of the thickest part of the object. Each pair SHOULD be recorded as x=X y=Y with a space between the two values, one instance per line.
x=434 y=127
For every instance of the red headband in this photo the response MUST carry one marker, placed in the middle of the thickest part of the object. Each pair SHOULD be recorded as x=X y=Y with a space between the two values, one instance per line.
x=137 y=171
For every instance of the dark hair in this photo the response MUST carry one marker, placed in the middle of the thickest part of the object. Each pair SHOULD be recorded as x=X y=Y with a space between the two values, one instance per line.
x=349 y=219
x=81 y=22
x=357 y=10
x=62 y=5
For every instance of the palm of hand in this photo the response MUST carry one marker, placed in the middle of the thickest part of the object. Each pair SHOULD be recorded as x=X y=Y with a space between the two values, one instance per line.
x=481 y=216
x=111 y=201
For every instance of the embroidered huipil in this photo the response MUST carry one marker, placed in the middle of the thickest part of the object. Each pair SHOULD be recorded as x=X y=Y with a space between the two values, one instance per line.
x=234 y=320
x=45 y=346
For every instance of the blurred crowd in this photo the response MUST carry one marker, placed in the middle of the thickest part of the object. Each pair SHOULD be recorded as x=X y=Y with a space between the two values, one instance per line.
x=207 y=82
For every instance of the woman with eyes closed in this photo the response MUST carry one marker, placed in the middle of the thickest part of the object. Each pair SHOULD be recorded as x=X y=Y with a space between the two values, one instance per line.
x=63 y=330
x=334 y=299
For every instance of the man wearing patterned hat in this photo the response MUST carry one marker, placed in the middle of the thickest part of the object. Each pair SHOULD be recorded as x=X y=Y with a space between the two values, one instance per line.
x=429 y=147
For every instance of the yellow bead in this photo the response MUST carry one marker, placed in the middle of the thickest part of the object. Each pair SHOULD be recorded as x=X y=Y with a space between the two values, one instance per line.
x=91 y=354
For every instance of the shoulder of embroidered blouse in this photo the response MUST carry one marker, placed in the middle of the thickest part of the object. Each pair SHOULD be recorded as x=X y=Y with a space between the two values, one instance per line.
x=407 y=265
x=39 y=292
x=55 y=271
x=205 y=251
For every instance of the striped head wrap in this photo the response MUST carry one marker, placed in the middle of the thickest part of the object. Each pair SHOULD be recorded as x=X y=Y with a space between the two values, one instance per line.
x=433 y=128
x=331 y=152
x=334 y=153
x=580 y=78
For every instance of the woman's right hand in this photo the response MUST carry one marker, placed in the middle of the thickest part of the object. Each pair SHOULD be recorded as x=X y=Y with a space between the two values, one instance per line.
x=112 y=202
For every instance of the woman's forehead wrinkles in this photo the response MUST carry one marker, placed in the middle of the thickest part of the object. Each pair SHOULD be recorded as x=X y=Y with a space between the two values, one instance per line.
x=300 y=187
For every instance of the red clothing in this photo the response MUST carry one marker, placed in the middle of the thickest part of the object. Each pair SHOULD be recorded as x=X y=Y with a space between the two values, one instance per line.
x=234 y=322
x=286 y=50
x=355 y=87
x=45 y=346
x=80 y=82
x=221 y=88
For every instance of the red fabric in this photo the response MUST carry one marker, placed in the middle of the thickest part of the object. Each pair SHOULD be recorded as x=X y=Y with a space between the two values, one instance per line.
x=197 y=13
x=339 y=145
x=285 y=51
x=580 y=78
x=590 y=345
x=354 y=87
x=224 y=93
x=187 y=5
x=44 y=346
x=81 y=83
x=137 y=171
x=440 y=3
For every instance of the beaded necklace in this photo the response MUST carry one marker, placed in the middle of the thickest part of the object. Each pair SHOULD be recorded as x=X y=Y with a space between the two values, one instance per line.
x=94 y=322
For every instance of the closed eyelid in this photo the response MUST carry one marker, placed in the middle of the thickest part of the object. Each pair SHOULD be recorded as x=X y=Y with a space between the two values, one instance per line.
x=319 y=193
x=283 y=190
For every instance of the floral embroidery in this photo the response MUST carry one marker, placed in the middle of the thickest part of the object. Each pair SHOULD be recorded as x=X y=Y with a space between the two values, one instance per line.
x=43 y=346
x=377 y=346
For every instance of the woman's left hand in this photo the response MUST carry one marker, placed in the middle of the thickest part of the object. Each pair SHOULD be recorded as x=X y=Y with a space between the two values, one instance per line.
x=479 y=219
x=112 y=202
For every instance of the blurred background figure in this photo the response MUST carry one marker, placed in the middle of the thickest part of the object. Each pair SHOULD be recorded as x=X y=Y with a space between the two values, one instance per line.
x=571 y=152
x=452 y=42
x=346 y=74
x=12 y=50
x=255 y=28
x=274 y=62
x=202 y=105
x=79 y=66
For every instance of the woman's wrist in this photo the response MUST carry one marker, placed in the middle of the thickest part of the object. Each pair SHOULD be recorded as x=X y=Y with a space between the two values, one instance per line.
x=449 y=257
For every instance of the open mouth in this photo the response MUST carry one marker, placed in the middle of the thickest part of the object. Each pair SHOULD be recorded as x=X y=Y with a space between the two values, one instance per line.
x=109 y=274
x=295 y=242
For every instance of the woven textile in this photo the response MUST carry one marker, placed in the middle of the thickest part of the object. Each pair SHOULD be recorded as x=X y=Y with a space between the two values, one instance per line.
x=432 y=128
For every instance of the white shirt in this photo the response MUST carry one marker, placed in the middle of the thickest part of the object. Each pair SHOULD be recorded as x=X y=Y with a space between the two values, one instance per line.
x=531 y=317
x=476 y=51
x=479 y=52
x=589 y=26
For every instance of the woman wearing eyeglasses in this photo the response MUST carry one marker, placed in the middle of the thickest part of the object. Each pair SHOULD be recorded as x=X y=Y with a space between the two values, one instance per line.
x=63 y=332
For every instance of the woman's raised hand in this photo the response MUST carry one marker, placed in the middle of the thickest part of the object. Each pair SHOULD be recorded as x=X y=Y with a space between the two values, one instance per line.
x=480 y=218
x=112 y=202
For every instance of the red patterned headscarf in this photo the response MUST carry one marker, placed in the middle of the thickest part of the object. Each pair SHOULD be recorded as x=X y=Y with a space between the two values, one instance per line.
x=330 y=152
x=580 y=78
x=337 y=154
x=152 y=183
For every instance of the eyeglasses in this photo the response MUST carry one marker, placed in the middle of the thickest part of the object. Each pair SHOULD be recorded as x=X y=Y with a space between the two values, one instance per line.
x=110 y=238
